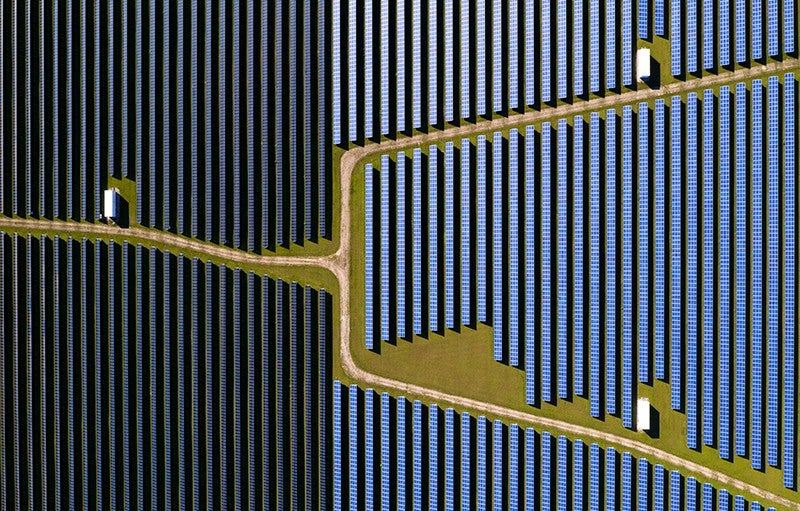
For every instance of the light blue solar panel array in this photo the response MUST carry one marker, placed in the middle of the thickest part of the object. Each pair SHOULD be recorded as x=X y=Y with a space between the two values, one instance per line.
x=724 y=381
x=626 y=36
x=433 y=457
x=595 y=324
x=594 y=45
x=644 y=242
x=742 y=219
x=416 y=65
x=513 y=55
x=338 y=437
x=741 y=31
x=660 y=247
x=628 y=320
x=514 y=276
x=370 y=462
x=577 y=257
x=708 y=497
x=418 y=478
x=611 y=261
x=563 y=473
x=562 y=268
x=417 y=234
x=577 y=48
x=644 y=19
x=692 y=227
x=547 y=462
x=386 y=263
x=400 y=470
x=401 y=244
x=544 y=265
x=352 y=71
x=756 y=23
x=385 y=57
x=433 y=67
x=709 y=343
x=611 y=478
x=562 y=49
x=498 y=484
x=626 y=488
x=531 y=55
x=465 y=57
x=466 y=232
x=450 y=239
x=611 y=44
x=659 y=26
x=336 y=78
x=480 y=72
x=676 y=362
x=756 y=285
x=368 y=71
x=546 y=53
x=724 y=500
x=724 y=34
x=595 y=469
x=659 y=481
x=709 y=21
x=691 y=36
x=675 y=37
x=449 y=63
x=789 y=27
x=466 y=461
x=530 y=266
x=433 y=238
x=514 y=498
x=353 y=457
x=531 y=463
x=675 y=491
x=449 y=461
x=643 y=481
x=369 y=255
x=578 y=474
x=739 y=503
x=497 y=55
x=481 y=470
x=691 y=493
x=386 y=452
x=774 y=144
x=497 y=245
x=481 y=230
x=789 y=399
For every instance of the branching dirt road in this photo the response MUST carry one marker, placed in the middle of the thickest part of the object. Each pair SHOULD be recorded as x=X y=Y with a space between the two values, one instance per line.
x=339 y=262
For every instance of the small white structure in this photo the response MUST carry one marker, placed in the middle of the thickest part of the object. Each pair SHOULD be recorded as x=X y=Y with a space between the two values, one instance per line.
x=643 y=64
x=643 y=414
x=110 y=204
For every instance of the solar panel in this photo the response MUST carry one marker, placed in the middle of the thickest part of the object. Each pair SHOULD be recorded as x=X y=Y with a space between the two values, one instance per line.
x=659 y=21
x=708 y=497
x=578 y=475
x=691 y=493
x=480 y=51
x=626 y=490
x=724 y=272
x=611 y=44
x=562 y=49
x=789 y=396
x=789 y=27
x=514 y=276
x=400 y=470
x=709 y=20
x=577 y=254
x=386 y=242
x=433 y=64
x=450 y=240
x=547 y=464
x=353 y=437
x=691 y=36
x=400 y=69
x=578 y=71
x=336 y=79
x=756 y=284
x=514 y=497
x=530 y=266
x=644 y=242
x=481 y=230
x=643 y=480
x=433 y=457
x=370 y=461
x=449 y=64
x=338 y=437
x=676 y=362
x=513 y=56
x=369 y=255
x=611 y=215
x=386 y=452
x=531 y=53
x=497 y=55
x=741 y=31
x=466 y=54
x=595 y=325
x=562 y=268
x=546 y=52
x=692 y=305
x=401 y=243
x=417 y=231
x=659 y=481
x=369 y=86
x=594 y=45
x=724 y=34
x=724 y=500
x=595 y=470
x=450 y=489
x=675 y=491
x=466 y=460
x=773 y=250
x=531 y=464
x=563 y=473
x=611 y=478
x=675 y=37
x=742 y=200
x=627 y=289
x=466 y=232
x=627 y=39
x=544 y=262
x=416 y=69
x=481 y=472
x=756 y=36
x=644 y=19
x=498 y=484
x=709 y=390
x=498 y=248
x=739 y=503
x=352 y=70
x=433 y=238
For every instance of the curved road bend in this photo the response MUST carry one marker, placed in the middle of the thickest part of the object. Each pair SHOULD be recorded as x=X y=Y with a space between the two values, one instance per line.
x=339 y=262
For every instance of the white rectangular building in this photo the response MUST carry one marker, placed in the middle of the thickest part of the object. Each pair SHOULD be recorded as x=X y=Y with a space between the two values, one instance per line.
x=643 y=414
x=110 y=204
x=643 y=64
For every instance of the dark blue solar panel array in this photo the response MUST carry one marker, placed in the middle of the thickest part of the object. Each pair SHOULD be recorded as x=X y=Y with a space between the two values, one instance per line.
x=175 y=380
